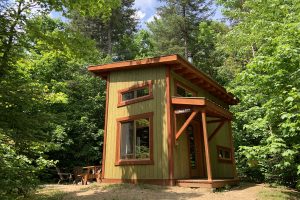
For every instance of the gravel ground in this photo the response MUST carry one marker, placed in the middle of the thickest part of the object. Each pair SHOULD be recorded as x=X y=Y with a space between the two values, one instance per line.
x=246 y=191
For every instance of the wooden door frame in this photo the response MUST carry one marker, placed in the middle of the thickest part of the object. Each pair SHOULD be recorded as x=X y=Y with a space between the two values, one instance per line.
x=202 y=159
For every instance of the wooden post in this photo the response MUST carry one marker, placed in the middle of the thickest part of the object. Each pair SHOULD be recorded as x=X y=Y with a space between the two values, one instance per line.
x=170 y=127
x=232 y=150
x=206 y=146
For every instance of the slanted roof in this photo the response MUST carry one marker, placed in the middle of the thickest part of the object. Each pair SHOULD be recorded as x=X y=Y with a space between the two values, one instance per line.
x=179 y=66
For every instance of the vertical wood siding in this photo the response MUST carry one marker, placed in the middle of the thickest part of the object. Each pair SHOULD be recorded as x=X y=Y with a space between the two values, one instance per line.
x=219 y=169
x=125 y=79
x=181 y=156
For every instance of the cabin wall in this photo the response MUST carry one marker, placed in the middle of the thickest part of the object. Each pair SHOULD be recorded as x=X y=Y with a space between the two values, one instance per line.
x=222 y=138
x=125 y=79
x=181 y=152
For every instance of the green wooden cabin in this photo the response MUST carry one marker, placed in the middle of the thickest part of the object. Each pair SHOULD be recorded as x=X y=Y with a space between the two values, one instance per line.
x=166 y=123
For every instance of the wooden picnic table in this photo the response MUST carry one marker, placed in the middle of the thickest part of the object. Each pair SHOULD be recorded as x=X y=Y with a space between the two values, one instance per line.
x=91 y=173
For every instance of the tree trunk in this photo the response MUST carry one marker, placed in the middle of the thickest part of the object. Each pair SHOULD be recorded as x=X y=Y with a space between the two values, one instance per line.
x=185 y=32
x=109 y=42
x=8 y=46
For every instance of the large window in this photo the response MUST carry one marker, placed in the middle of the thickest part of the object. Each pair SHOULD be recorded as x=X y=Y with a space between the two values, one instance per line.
x=183 y=91
x=224 y=154
x=136 y=93
x=134 y=140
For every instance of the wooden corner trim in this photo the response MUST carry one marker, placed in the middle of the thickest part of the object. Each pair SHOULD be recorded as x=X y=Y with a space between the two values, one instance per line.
x=180 y=84
x=105 y=127
x=118 y=160
x=224 y=160
x=146 y=84
x=232 y=150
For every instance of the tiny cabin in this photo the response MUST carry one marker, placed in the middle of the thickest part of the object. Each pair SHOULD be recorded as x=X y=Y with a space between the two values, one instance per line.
x=167 y=123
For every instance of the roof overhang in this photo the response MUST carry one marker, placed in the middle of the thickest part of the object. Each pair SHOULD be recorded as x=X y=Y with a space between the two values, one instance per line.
x=179 y=65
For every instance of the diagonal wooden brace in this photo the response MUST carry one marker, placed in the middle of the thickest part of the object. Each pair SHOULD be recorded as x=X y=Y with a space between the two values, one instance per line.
x=216 y=130
x=186 y=123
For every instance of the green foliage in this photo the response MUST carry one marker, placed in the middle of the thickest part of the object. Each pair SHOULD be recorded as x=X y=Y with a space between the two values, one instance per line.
x=16 y=171
x=112 y=35
x=175 y=28
x=267 y=119
x=48 y=101
x=182 y=27
x=94 y=8
x=77 y=136
x=207 y=55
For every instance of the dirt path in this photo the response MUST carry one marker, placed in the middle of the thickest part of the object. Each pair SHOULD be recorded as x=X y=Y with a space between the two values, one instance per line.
x=246 y=191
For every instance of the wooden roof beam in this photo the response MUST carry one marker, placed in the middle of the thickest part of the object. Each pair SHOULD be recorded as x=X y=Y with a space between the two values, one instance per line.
x=189 y=76
x=180 y=71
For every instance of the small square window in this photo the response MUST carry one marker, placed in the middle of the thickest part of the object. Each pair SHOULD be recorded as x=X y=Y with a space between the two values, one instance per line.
x=224 y=153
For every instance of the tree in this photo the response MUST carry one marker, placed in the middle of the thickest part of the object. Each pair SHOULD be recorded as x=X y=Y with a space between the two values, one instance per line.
x=110 y=33
x=173 y=31
x=33 y=89
x=208 y=56
x=267 y=125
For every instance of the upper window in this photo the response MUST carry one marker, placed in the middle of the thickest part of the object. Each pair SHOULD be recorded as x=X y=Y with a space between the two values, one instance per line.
x=136 y=93
x=135 y=140
x=224 y=153
x=183 y=91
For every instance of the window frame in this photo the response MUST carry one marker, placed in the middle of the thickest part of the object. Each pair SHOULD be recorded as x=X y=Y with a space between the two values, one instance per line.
x=185 y=87
x=148 y=84
x=148 y=161
x=225 y=160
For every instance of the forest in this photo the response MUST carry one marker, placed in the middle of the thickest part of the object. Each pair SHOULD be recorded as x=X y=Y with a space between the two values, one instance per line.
x=52 y=109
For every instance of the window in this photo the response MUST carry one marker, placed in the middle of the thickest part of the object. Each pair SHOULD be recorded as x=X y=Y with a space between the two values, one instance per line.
x=190 y=132
x=224 y=154
x=136 y=93
x=134 y=140
x=184 y=91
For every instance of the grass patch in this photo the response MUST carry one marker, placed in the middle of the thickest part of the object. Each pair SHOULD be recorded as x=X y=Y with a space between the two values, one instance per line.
x=279 y=195
x=226 y=188
x=52 y=195
x=90 y=187
x=147 y=186
x=129 y=186
x=117 y=186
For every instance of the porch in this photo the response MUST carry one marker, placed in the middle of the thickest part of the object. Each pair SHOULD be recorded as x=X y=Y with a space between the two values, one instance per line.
x=204 y=112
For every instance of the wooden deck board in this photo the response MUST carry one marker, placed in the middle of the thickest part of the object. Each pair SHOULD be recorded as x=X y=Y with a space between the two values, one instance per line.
x=215 y=183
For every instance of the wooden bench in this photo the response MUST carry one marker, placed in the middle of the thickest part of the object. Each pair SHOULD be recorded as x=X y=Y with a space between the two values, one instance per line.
x=91 y=173
x=63 y=176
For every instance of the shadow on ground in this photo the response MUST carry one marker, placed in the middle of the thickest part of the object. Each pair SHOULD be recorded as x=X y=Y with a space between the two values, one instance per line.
x=116 y=192
x=245 y=191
